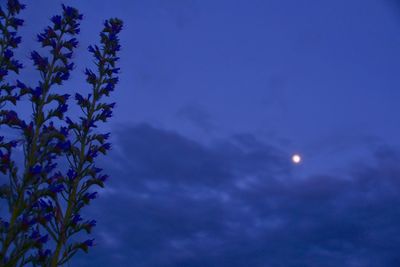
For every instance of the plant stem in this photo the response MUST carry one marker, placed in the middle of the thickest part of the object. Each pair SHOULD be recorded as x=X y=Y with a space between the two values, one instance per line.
x=31 y=158
x=72 y=197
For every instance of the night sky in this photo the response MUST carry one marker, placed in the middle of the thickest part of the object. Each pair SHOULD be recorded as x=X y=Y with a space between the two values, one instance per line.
x=215 y=96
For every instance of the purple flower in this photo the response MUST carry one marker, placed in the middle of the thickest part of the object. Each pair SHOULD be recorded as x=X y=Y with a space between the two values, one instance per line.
x=42 y=38
x=88 y=225
x=68 y=55
x=69 y=121
x=64 y=132
x=13 y=143
x=48 y=217
x=26 y=223
x=8 y=54
x=35 y=170
x=70 y=44
x=113 y=26
x=36 y=93
x=92 y=223
x=90 y=76
x=69 y=66
x=3 y=72
x=71 y=13
x=50 y=167
x=94 y=50
x=84 y=102
x=92 y=153
x=45 y=204
x=21 y=85
x=63 y=146
x=39 y=61
x=15 y=22
x=92 y=195
x=88 y=123
x=14 y=41
x=103 y=177
x=60 y=76
x=4 y=159
x=42 y=239
x=111 y=106
x=55 y=178
x=64 y=97
x=34 y=235
x=109 y=88
x=14 y=6
x=89 y=196
x=89 y=243
x=106 y=136
x=62 y=108
x=112 y=37
x=114 y=80
x=11 y=117
x=71 y=174
x=106 y=146
x=76 y=218
x=64 y=75
x=15 y=66
x=96 y=170
x=56 y=188
x=57 y=22
x=48 y=38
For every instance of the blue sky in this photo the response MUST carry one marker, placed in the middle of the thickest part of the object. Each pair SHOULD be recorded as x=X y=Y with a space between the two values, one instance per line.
x=214 y=97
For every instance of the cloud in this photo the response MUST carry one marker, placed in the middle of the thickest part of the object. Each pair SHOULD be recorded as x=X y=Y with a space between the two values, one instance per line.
x=175 y=202
x=197 y=116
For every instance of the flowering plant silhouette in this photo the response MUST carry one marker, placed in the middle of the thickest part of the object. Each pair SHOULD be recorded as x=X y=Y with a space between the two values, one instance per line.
x=45 y=201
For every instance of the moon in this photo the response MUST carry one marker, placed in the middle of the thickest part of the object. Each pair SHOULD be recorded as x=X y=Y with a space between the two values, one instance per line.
x=296 y=159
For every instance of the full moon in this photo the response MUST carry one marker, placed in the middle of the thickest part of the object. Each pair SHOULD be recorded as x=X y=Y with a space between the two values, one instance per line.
x=296 y=158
